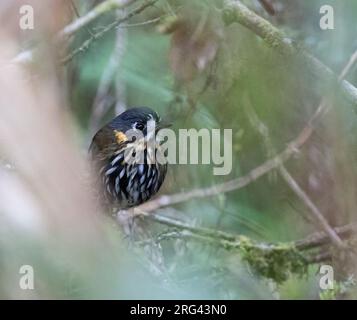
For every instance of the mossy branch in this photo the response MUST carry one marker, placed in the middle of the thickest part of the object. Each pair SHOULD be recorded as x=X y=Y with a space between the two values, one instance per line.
x=275 y=261
x=236 y=12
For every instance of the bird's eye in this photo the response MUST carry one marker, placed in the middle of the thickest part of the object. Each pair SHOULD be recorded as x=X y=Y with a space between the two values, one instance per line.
x=139 y=126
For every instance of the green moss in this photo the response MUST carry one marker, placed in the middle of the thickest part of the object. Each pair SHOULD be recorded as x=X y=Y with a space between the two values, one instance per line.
x=276 y=262
x=229 y=16
x=339 y=288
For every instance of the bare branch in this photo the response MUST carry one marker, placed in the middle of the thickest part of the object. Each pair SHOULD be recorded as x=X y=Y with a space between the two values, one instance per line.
x=104 y=7
x=183 y=226
x=263 y=130
x=320 y=238
x=312 y=207
x=267 y=166
x=101 y=103
x=74 y=8
x=86 y=44
x=139 y=24
x=99 y=10
x=348 y=67
x=235 y=11
x=234 y=184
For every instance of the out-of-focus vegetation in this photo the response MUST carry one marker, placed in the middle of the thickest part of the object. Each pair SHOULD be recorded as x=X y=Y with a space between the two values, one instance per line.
x=179 y=58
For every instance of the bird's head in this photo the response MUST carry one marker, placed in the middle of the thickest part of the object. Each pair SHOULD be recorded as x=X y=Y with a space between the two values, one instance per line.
x=141 y=120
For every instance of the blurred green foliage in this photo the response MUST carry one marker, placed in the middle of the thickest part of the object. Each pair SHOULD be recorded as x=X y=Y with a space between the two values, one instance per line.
x=283 y=94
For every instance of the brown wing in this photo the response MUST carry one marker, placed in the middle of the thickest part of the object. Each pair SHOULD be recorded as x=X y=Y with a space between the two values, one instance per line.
x=106 y=143
x=102 y=142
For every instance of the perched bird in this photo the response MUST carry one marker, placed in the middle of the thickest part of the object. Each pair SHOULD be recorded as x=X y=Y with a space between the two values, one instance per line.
x=126 y=178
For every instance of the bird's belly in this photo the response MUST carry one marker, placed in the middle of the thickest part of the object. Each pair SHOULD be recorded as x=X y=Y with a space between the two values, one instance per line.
x=128 y=185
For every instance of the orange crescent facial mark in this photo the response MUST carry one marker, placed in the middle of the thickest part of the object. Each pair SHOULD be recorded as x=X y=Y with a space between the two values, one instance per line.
x=120 y=136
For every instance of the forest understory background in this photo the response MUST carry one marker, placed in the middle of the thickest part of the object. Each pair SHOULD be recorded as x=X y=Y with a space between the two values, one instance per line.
x=282 y=84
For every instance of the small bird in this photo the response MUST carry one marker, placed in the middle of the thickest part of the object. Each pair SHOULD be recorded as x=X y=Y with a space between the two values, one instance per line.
x=128 y=183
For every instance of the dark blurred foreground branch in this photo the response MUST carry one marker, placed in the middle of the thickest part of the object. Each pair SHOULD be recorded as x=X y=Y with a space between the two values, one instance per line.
x=235 y=11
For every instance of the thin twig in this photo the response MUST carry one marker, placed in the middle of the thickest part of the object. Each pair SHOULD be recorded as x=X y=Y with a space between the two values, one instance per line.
x=139 y=24
x=311 y=206
x=101 y=104
x=26 y=56
x=74 y=8
x=348 y=67
x=99 y=10
x=221 y=238
x=86 y=44
x=235 y=11
x=183 y=226
x=263 y=130
x=235 y=184
x=320 y=238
